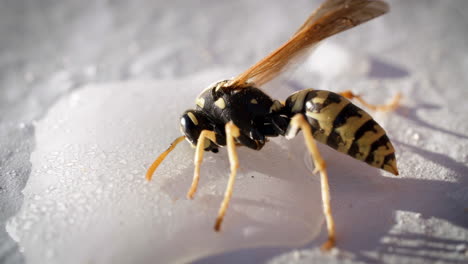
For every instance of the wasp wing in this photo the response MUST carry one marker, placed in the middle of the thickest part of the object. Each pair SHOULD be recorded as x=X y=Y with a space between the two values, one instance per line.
x=332 y=17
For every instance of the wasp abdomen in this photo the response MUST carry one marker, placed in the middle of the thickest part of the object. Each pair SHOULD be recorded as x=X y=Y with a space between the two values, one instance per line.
x=337 y=122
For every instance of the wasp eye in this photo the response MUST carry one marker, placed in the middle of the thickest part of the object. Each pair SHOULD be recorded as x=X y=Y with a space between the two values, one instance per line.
x=183 y=123
x=192 y=122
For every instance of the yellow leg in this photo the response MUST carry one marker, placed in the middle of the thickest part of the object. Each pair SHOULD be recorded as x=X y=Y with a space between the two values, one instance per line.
x=205 y=134
x=299 y=122
x=387 y=107
x=231 y=132
x=155 y=165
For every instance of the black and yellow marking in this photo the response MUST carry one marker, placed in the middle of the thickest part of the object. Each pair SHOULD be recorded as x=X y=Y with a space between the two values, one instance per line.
x=343 y=126
x=324 y=108
x=230 y=116
x=200 y=102
x=236 y=113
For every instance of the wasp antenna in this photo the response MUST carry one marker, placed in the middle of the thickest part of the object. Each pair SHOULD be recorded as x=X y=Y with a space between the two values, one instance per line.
x=155 y=165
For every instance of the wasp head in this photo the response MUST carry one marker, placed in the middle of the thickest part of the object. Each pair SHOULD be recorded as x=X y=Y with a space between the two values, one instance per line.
x=192 y=123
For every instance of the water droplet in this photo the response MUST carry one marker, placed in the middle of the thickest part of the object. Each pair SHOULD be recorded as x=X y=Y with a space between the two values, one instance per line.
x=91 y=70
x=130 y=177
x=43 y=209
x=133 y=48
x=29 y=77
x=27 y=225
x=296 y=255
x=460 y=247
x=250 y=231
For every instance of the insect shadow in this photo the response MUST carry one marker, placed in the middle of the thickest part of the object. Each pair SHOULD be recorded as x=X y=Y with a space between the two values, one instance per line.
x=411 y=113
x=381 y=69
x=366 y=219
x=274 y=160
x=427 y=198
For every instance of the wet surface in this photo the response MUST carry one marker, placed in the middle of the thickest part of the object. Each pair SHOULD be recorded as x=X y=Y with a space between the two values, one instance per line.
x=53 y=47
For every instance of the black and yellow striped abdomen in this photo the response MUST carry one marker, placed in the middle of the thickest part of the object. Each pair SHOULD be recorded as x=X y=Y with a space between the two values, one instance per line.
x=340 y=124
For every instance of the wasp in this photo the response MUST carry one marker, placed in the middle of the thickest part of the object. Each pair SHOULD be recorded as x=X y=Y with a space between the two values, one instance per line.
x=235 y=112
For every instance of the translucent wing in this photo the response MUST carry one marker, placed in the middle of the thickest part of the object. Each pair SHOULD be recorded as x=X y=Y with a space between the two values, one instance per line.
x=332 y=17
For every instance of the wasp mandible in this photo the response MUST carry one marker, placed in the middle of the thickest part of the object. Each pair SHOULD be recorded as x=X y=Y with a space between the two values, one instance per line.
x=236 y=112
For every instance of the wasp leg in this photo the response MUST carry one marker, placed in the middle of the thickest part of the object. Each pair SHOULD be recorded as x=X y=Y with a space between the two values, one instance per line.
x=232 y=131
x=394 y=103
x=155 y=165
x=299 y=122
x=205 y=134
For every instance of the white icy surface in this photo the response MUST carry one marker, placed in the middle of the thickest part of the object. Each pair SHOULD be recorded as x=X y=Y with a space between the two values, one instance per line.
x=86 y=200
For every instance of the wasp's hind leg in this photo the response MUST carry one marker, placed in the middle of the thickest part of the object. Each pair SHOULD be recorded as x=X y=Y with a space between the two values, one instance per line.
x=204 y=135
x=394 y=103
x=232 y=132
x=299 y=122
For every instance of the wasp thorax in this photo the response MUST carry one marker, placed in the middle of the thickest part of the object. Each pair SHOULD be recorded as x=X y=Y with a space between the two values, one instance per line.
x=216 y=86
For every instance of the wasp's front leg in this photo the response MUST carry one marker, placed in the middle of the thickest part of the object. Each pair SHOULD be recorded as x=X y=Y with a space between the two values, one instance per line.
x=232 y=132
x=200 y=149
